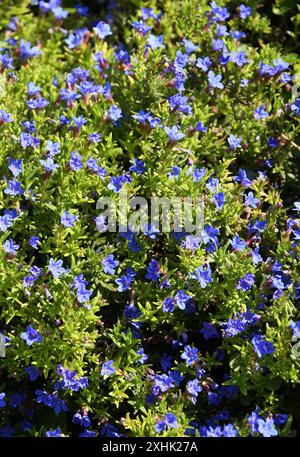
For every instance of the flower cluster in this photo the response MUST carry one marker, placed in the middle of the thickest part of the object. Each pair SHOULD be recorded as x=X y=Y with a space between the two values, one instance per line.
x=123 y=332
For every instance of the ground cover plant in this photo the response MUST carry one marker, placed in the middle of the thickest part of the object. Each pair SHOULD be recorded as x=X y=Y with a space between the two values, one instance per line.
x=153 y=332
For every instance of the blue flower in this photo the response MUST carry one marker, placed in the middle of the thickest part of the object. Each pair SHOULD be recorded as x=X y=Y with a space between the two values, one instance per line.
x=243 y=178
x=209 y=331
x=125 y=281
x=153 y=271
x=26 y=51
x=266 y=427
x=168 y=305
x=56 y=433
x=190 y=355
x=219 y=200
x=295 y=326
x=102 y=30
x=108 y=368
x=109 y=264
x=182 y=299
x=237 y=243
x=138 y=167
x=193 y=387
x=141 y=27
x=32 y=372
x=56 y=268
x=252 y=201
x=234 y=141
x=4 y=116
x=203 y=63
x=2 y=401
x=245 y=11
x=261 y=346
x=171 y=420
x=239 y=58
x=75 y=161
x=155 y=42
x=15 y=166
x=31 y=336
x=14 y=188
x=246 y=282
x=68 y=219
x=10 y=247
x=114 y=113
x=174 y=133
x=260 y=113
x=215 y=80
x=203 y=275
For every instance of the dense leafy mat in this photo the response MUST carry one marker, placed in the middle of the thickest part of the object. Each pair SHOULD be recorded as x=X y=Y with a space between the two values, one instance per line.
x=149 y=333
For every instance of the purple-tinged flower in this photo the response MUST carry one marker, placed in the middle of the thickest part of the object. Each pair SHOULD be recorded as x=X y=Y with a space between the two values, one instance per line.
x=138 y=167
x=209 y=331
x=27 y=140
x=174 y=133
x=261 y=346
x=56 y=268
x=102 y=30
x=10 y=247
x=295 y=326
x=125 y=281
x=237 y=243
x=214 y=80
x=75 y=161
x=171 y=420
x=49 y=164
x=246 y=282
x=168 y=305
x=266 y=427
x=245 y=11
x=108 y=368
x=234 y=141
x=193 y=387
x=153 y=271
x=203 y=275
x=14 y=188
x=52 y=148
x=141 y=27
x=229 y=431
x=114 y=113
x=243 y=178
x=203 y=63
x=32 y=372
x=189 y=46
x=182 y=299
x=4 y=116
x=190 y=355
x=155 y=42
x=109 y=264
x=162 y=383
x=252 y=201
x=95 y=137
x=239 y=58
x=26 y=51
x=198 y=174
x=260 y=113
x=31 y=336
x=15 y=166
x=68 y=220
x=37 y=103
x=56 y=433
x=2 y=401
x=219 y=200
